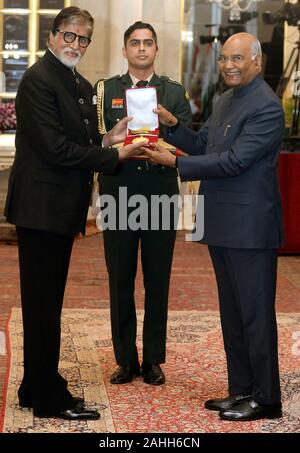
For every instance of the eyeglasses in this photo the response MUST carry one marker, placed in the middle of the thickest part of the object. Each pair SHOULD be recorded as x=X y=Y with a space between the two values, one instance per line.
x=233 y=58
x=70 y=37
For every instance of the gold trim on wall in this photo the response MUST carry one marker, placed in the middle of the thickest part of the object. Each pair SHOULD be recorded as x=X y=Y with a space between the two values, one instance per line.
x=32 y=31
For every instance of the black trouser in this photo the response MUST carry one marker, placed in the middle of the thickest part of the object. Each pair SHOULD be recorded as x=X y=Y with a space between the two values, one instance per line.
x=121 y=253
x=44 y=261
x=246 y=282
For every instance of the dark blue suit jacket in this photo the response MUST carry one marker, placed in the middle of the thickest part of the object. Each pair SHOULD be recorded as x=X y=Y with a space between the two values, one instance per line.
x=235 y=156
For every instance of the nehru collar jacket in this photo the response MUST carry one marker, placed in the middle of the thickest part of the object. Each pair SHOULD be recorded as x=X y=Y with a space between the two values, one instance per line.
x=57 y=148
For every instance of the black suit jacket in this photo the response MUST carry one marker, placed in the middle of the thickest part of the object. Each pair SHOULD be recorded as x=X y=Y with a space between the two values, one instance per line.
x=235 y=155
x=57 y=148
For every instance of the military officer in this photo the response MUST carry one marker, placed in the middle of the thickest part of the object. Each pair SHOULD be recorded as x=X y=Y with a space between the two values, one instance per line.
x=121 y=246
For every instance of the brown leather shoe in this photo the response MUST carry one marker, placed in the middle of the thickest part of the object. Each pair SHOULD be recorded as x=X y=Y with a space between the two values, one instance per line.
x=222 y=404
x=153 y=374
x=125 y=373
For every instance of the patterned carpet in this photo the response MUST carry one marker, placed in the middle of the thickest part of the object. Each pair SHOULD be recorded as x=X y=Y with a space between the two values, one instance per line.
x=195 y=371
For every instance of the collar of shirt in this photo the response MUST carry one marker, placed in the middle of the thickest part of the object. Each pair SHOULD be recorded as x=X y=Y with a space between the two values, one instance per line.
x=135 y=80
x=241 y=91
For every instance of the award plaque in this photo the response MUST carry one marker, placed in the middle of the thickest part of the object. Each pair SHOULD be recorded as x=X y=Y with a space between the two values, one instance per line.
x=144 y=125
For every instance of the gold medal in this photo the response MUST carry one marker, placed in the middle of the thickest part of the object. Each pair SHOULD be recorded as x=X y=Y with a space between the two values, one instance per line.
x=143 y=130
x=140 y=139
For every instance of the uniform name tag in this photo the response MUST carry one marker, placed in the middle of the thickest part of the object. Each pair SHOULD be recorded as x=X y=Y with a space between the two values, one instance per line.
x=117 y=103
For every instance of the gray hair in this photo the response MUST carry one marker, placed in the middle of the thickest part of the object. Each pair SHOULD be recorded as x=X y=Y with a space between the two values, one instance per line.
x=256 y=48
x=73 y=15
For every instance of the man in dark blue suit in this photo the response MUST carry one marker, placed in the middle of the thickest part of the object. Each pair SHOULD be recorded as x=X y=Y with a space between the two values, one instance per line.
x=235 y=155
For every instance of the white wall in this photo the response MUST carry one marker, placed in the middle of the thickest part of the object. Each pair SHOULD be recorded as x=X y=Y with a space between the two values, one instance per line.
x=112 y=17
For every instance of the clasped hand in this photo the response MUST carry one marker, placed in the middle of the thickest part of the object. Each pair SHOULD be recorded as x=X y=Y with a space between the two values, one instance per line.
x=155 y=152
x=117 y=135
x=165 y=117
x=159 y=155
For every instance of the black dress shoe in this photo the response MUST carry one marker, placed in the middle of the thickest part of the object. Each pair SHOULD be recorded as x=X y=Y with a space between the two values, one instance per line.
x=125 y=373
x=79 y=413
x=251 y=410
x=25 y=403
x=153 y=374
x=222 y=404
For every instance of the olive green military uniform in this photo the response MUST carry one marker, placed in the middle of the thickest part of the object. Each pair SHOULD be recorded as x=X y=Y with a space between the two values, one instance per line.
x=121 y=246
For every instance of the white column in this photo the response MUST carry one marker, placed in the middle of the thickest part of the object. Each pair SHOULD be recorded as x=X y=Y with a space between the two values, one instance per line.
x=166 y=18
x=112 y=17
x=95 y=62
x=122 y=14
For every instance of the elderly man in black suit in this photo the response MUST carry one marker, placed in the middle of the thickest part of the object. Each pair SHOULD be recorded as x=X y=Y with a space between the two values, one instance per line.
x=235 y=155
x=57 y=150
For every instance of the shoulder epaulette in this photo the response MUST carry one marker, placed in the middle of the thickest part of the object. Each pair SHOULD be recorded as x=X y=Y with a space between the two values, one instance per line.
x=108 y=79
x=113 y=78
x=169 y=79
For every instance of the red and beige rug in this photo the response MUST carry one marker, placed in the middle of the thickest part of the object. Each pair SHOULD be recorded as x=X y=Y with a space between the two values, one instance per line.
x=195 y=371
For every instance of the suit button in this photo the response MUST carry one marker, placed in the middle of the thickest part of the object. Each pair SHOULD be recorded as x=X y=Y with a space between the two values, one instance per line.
x=163 y=167
x=81 y=101
x=86 y=121
x=90 y=183
x=91 y=141
x=77 y=81
x=139 y=168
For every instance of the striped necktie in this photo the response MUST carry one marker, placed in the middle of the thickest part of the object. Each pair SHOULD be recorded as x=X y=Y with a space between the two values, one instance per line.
x=142 y=83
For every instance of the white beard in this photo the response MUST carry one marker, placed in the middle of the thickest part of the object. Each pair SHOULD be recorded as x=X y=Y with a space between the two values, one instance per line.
x=67 y=61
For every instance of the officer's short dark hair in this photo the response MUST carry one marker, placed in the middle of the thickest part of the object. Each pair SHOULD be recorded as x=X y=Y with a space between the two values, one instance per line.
x=70 y=15
x=139 y=26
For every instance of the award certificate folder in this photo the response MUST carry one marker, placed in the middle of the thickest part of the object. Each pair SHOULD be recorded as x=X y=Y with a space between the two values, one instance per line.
x=144 y=125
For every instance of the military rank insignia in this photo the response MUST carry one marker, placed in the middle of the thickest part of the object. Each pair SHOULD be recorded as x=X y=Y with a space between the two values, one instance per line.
x=117 y=103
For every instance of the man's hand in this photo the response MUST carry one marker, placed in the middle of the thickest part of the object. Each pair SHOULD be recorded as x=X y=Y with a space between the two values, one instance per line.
x=165 y=117
x=134 y=149
x=117 y=134
x=160 y=155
